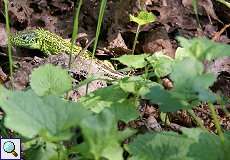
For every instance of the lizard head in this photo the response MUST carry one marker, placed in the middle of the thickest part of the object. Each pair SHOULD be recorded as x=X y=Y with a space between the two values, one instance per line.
x=26 y=39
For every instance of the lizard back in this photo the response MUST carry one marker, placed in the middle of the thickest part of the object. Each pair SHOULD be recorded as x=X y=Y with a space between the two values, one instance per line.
x=50 y=44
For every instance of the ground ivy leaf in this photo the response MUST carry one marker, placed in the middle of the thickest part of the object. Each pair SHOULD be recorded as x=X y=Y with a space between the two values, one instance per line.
x=136 y=85
x=50 y=80
x=50 y=116
x=114 y=98
x=143 y=18
x=184 y=72
x=204 y=81
x=133 y=84
x=201 y=86
x=203 y=48
x=104 y=97
x=101 y=135
x=161 y=63
x=191 y=86
x=166 y=101
x=133 y=61
x=190 y=83
x=47 y=152
x=193 y=144
x=207 y=146
x=125 y=111
x=129 y=86
x=159 y=146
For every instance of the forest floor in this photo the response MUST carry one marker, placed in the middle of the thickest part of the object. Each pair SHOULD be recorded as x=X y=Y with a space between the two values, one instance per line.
x=174 y=18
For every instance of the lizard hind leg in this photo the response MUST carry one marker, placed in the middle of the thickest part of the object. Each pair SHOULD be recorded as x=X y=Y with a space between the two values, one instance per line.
x=108 y=64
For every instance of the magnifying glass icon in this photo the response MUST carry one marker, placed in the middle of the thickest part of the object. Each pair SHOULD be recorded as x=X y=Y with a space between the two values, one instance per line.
x=9 y=147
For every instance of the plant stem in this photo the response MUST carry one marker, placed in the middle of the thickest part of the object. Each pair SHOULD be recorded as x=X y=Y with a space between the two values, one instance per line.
x=197 y=119
x=220 y=101
x=8 y=42
x=146 y=72
x=99 y=23
x=195 y=9
x=74 y=36
x=224 y=2
x=216 y=121
x=136 y=37
x=75 y=30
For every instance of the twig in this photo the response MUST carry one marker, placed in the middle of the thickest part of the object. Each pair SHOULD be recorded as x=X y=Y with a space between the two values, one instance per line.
x=218 y=34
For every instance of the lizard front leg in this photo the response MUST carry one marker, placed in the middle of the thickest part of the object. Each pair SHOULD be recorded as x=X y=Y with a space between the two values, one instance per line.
x=44 y=49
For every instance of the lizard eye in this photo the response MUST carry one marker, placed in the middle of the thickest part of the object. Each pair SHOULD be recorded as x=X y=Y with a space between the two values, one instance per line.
x=25 y=37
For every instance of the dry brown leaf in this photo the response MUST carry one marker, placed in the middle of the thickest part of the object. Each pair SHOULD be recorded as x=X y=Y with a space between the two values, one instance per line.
x=206 y=5
x=20 y=9
x=3 y=35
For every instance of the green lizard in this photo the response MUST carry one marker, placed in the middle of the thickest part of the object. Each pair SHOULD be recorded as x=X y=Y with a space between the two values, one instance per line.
x=50 y=44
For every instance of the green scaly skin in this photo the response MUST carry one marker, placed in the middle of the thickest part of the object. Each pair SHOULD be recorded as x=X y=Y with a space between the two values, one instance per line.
x=51 y=44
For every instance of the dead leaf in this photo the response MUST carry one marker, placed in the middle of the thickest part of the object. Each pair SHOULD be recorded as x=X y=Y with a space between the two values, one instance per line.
x=3 y=76
x=158 y=40
x=206 y=5
x=3 y=35
x=20 y=10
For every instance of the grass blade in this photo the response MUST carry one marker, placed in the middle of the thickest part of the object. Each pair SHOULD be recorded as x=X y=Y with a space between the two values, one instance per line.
x=9 y=43
x=99 y=23
x=75 y=29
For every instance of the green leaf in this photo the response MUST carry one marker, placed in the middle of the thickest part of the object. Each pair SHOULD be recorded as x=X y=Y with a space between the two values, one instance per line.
x=49 y=116
x=207 y=146
x=101 y=136
x=193 y=144
x=181 y=53
x=201 y=86
x=161 y=63
x=184 y=72
x=166 y=101
x=133 y=84
x=47 y=152
x=104 y=97
x=50 y=80
x=133 y=61
x=113 y=98
x=159 y=146
x=202 y=49
x=189 y=80
x=190 y=87
x=136 y=85
x=125 y=111
x=143 y=18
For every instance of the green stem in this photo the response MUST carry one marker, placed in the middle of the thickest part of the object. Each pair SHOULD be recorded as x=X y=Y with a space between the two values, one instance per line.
x=220 y=101
x=224 y=2
x=8 y=42
x=195 y=9
x=216 y=121
x=135 y=40
x=146 y=72
x=74 y=36
x=99 y=23
x=75 y=30
x=197 y=119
